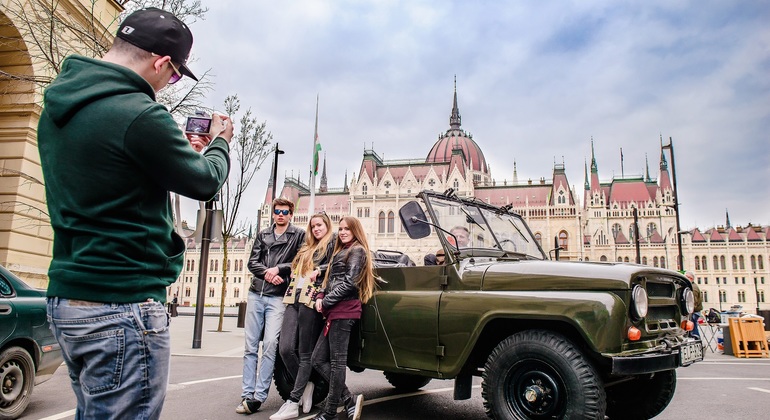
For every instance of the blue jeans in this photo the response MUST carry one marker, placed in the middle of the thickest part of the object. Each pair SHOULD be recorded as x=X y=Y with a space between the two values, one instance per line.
x=261 y=312
x=330 y=359
x=118 y=356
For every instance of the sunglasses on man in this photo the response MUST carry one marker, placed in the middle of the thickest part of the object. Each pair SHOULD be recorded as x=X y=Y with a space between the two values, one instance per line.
x=279 y=211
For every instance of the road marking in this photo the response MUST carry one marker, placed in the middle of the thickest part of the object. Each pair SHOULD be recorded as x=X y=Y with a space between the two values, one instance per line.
x=721 y=379
x=760 y=390
x=63 y=415
x=201 y=381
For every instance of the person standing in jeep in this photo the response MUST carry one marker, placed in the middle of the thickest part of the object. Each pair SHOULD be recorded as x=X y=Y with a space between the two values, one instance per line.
x=270 y=262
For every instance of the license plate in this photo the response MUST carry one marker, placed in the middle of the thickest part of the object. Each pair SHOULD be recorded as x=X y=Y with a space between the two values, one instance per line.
x=690 y=353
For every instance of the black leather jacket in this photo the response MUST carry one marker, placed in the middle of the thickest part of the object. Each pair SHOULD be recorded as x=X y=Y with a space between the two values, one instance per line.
x=346 y=267
x=267 y=253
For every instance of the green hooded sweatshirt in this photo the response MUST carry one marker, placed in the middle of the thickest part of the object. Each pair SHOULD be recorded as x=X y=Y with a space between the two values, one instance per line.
x=110 y=156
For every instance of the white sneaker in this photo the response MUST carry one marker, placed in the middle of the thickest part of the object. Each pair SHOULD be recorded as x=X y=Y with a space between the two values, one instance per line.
x=307 y=397
x=289 y=410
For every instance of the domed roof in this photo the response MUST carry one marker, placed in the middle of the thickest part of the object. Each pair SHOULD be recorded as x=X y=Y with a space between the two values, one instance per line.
x=457 y=139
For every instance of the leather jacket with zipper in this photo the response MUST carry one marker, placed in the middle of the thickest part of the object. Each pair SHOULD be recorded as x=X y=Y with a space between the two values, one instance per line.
x=345 y=268
x=268 y=252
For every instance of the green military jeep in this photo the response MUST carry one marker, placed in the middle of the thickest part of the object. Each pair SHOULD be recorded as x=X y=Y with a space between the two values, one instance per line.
x=550 y=339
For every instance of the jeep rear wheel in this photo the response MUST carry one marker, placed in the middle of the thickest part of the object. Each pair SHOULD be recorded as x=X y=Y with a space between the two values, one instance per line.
x=284 y=382
x=643 y=397
x=405 y=382
x=17 y=378
x=538 y=374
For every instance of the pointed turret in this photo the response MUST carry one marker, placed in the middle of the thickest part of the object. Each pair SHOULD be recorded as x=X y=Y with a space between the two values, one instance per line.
x=345 y=188
x=585 y=168
x=727 y=219
x=595 y=187
x=324 y=185
x=647 y=169
x=454 y=119
x=515 y=175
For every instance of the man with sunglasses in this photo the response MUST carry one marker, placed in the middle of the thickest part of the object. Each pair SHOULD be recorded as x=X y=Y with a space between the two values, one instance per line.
x=271 y=255
x=110 y=156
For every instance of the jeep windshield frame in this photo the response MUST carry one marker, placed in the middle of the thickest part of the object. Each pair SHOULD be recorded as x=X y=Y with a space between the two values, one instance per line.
x=480 y=229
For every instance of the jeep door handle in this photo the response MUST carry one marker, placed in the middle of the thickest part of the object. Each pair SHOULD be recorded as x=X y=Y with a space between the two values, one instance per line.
x=5 y=309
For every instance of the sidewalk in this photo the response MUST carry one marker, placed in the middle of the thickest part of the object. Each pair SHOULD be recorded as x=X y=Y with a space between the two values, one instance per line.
x=228 y=343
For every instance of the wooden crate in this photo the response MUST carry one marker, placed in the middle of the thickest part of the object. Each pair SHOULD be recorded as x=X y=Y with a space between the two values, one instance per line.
x=748 y=337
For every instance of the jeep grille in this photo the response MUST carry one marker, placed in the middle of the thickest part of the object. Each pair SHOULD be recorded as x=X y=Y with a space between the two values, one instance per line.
x=664 y=313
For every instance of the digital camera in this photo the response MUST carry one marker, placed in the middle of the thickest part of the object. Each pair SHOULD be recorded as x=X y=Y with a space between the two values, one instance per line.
x=198 y=124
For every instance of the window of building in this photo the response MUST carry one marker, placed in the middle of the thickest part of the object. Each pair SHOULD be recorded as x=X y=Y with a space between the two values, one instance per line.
x=705 y=280
x=620 y=259
x=631 y=233
x=391 y=222
x=736 y=280
x=381 y=222
x=615 y=229
x=760 y=265
x=722 y=296
x=722 y=262
x=697 y=263
x=703 y=262
x=563 y=240
x=761 y=296
x=211 y=292
x=603 y=258
x=716 y=262
x=741 y=263
x=187 y=292
x=236 y=292
x=743 y=280
x=735 y=262
x=644 y=260
x=651 y=227
x=211 y=265
x=753 y=262
x=741 y=296
x=705 y=295
x=366 y=211
x=364 y=189
x=625 y=259
x=662 y=262
x=360 y=212
x=228 y=265
x=654 y=261
x=539 y=239
x=456 y=184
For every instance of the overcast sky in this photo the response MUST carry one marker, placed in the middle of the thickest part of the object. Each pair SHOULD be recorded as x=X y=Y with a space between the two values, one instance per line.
x=536 y=82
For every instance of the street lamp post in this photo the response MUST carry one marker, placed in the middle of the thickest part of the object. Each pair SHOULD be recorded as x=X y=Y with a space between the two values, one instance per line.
x=200 y=302
x=275 y=170
x=679 y=261
x=756 y=291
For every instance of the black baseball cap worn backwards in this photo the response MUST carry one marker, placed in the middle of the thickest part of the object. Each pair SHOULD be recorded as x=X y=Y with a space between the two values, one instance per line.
x=160 y=32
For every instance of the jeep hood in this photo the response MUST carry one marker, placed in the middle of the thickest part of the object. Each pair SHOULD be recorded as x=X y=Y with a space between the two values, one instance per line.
x=553 y=275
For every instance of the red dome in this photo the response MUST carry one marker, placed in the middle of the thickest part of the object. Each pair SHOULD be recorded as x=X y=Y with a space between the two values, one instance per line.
x=456 y=138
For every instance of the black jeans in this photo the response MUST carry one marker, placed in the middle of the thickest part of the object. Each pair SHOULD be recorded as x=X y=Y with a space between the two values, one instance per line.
x=330 y=359
x=299 y=333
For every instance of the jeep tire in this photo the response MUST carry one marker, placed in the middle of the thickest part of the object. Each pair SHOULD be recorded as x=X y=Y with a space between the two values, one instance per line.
x=643 y=397
x=537 y=374
x=284 y=382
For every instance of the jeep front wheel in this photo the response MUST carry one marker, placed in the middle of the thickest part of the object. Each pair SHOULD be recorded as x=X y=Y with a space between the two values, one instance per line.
x=538 y=374
x=405 y=382
x=643 y=397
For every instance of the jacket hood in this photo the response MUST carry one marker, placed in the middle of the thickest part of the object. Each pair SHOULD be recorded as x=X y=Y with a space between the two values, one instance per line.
x=74 y=87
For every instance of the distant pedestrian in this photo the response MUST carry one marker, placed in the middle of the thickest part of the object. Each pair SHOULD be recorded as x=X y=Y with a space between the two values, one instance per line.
x=348 y=284
x=270 y=262
x=301 y=322
x=698 y=304
x=110 y=156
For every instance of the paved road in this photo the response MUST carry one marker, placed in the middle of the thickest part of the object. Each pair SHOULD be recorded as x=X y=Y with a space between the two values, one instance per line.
x=205 y=384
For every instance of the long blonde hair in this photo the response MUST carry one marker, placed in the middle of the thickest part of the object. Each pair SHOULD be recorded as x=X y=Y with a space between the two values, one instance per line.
x=313 y=249
x=365 y=281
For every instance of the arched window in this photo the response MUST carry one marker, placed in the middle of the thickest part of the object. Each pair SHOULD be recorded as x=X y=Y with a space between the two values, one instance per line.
x=229 y=265
x=759 y=262
x=741 y=263
x=716 y=262
x=625 y=259
x=216 y=265
x=211 y=266
x=651 y=227
x=662 y=262
x=654 y=261
x=563 y=239
x=753 y=262
x=539 y=239
x=703 y=263
x=631 y=233
x=615 y=229
x=603 y=258
x=697 y=263
x=722 y=262
x=381 y=222
x=644 y=260
x=391 y=222
x=620 y=259
x=735 y=262
x=364 y=189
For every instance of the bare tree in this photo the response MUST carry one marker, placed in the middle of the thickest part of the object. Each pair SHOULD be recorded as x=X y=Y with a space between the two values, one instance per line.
x=55 y=34
x=27 y=215
x=249 y=149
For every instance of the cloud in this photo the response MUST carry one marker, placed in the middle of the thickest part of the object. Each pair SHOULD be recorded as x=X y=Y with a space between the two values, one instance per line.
x=536 y=82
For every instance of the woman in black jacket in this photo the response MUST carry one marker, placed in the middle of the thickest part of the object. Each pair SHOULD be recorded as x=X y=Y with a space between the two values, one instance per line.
x=301 y=322
x=349 y=282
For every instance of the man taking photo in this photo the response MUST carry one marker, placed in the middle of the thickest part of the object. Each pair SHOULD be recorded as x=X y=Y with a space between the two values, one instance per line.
x=110 y=156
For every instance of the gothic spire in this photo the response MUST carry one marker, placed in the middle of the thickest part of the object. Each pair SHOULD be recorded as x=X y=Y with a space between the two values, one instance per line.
x=647 y=166
x=594 y=168
x=324 y=185
x=587 y=185
x=454 y=119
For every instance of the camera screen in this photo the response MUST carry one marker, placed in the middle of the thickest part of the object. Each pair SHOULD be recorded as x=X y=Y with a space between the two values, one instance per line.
x=198 y=125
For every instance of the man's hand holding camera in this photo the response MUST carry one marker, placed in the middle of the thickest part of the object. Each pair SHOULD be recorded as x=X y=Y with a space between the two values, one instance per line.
x=201 y=130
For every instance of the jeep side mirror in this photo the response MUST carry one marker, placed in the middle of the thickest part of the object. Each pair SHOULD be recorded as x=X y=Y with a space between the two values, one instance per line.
x=414 y=221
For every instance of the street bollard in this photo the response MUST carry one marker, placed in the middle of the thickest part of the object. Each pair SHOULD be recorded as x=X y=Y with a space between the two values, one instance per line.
x=241 y=314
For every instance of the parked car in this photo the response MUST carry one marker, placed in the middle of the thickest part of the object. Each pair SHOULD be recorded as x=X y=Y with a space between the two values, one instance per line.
x=29 y=353
x=550 y=339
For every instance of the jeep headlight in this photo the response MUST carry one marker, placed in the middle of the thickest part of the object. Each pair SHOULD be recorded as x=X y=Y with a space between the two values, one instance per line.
x=688 y=301
x=639 y=302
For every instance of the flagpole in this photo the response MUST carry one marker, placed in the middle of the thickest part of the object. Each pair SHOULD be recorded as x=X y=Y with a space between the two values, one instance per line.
x=314 y=169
